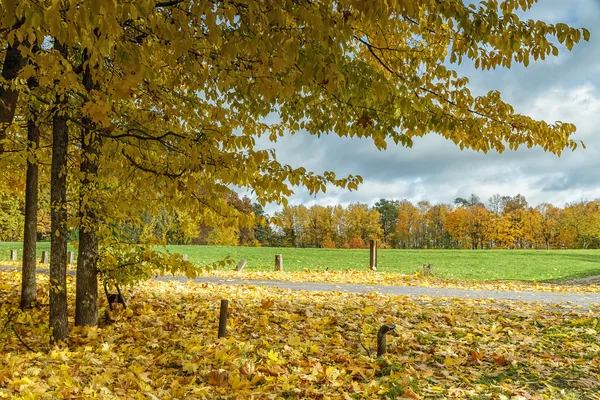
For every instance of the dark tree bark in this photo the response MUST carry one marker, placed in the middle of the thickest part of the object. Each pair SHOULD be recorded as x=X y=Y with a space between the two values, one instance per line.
x=28 y=287
x=13 y=62
x=86 y=303
x=28 y=284
x=58 y=197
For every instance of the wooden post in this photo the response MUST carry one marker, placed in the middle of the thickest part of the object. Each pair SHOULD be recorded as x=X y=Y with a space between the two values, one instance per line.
x=223 y=318
x=240 y=265
x=13 y=255
x=44 y=257
x=373 y=254
x=184 y=257
x=381 y=342
x=71 y=257
x=278 y=262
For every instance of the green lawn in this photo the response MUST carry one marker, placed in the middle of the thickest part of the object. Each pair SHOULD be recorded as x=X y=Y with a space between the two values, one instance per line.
x=525 y=265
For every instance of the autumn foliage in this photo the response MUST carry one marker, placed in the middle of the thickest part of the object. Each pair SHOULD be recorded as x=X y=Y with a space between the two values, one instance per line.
x=357 y=243
x=510 y=224
x=298 y=345
x=328 y=243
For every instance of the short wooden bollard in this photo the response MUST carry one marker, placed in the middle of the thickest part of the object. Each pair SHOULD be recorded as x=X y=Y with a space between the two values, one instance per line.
x=223 y=318
x=44 y=257
x=240 y=265
x=71 y=257
x=184 y=257
x=278 y=262
x=13 y=255
x=373 y=254
x=381 y=342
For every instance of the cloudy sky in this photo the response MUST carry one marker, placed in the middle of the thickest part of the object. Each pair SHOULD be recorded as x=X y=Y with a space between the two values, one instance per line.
x=565 y=88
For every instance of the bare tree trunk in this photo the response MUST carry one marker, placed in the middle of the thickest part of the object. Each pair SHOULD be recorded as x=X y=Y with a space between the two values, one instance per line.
x=58 y=248
x=28 y=287
x=13 y=62
x=86 y=307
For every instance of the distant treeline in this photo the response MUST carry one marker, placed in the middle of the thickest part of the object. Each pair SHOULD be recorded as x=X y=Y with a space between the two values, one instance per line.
x=503 y=222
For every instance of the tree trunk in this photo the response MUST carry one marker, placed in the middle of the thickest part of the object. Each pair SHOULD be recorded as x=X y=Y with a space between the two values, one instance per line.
x=58 y=247
x=28 y=287
x=86 y=307
x=13 y=62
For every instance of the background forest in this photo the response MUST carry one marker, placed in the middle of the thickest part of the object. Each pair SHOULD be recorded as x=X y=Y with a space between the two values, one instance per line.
x=501 y=222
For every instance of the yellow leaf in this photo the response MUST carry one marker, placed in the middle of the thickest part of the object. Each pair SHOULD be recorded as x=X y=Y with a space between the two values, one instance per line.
x=586 y=34
x=451 y=361
x=189 y=367
x=409 y=394
x=273 y=355
x=294 y=340
x=368 y=310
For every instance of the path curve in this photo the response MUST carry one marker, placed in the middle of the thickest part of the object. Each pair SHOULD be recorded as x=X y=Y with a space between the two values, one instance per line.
x=577 y=299
x=584 y=300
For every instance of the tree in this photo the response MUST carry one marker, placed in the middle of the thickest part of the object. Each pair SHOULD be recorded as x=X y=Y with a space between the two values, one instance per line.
x=515 y=209
x=243 y=206
x=469 y=226
x=262 y=230
x=472 y=201
x=13 y=63
x=549 y=230
x=223 y=236
x=408 y=224
x=388 y=210
x=480 y=219
x=515 y=204
x=436 y=220
x=339 y=219
x=319 y=225
x=86 y=300
x=581 y=224
x=58 y=198
x=496 y=204
x=28 y=281
x=501 y=233
x=362 y=222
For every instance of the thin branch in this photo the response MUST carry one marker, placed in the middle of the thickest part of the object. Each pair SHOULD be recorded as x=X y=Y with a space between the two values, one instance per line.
x=362 y=345
x=437 y=95
x=21 y=340
x=169 y=3
x=150 y=170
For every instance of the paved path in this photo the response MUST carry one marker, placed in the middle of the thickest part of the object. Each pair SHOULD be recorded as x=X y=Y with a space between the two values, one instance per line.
x=583 y=300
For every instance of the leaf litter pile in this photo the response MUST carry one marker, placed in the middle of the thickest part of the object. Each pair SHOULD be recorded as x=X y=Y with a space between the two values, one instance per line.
x=283 y=344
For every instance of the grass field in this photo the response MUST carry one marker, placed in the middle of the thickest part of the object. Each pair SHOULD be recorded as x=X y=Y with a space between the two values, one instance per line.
x=526 y=265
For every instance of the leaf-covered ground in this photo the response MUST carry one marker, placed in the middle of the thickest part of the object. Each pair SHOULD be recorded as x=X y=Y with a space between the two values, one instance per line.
x=286 y=345
x=387 y=279
x=393 y=279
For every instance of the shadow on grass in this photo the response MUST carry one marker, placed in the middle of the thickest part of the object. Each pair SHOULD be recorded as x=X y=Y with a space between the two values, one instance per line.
x=566 y=278
x=586 y=258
